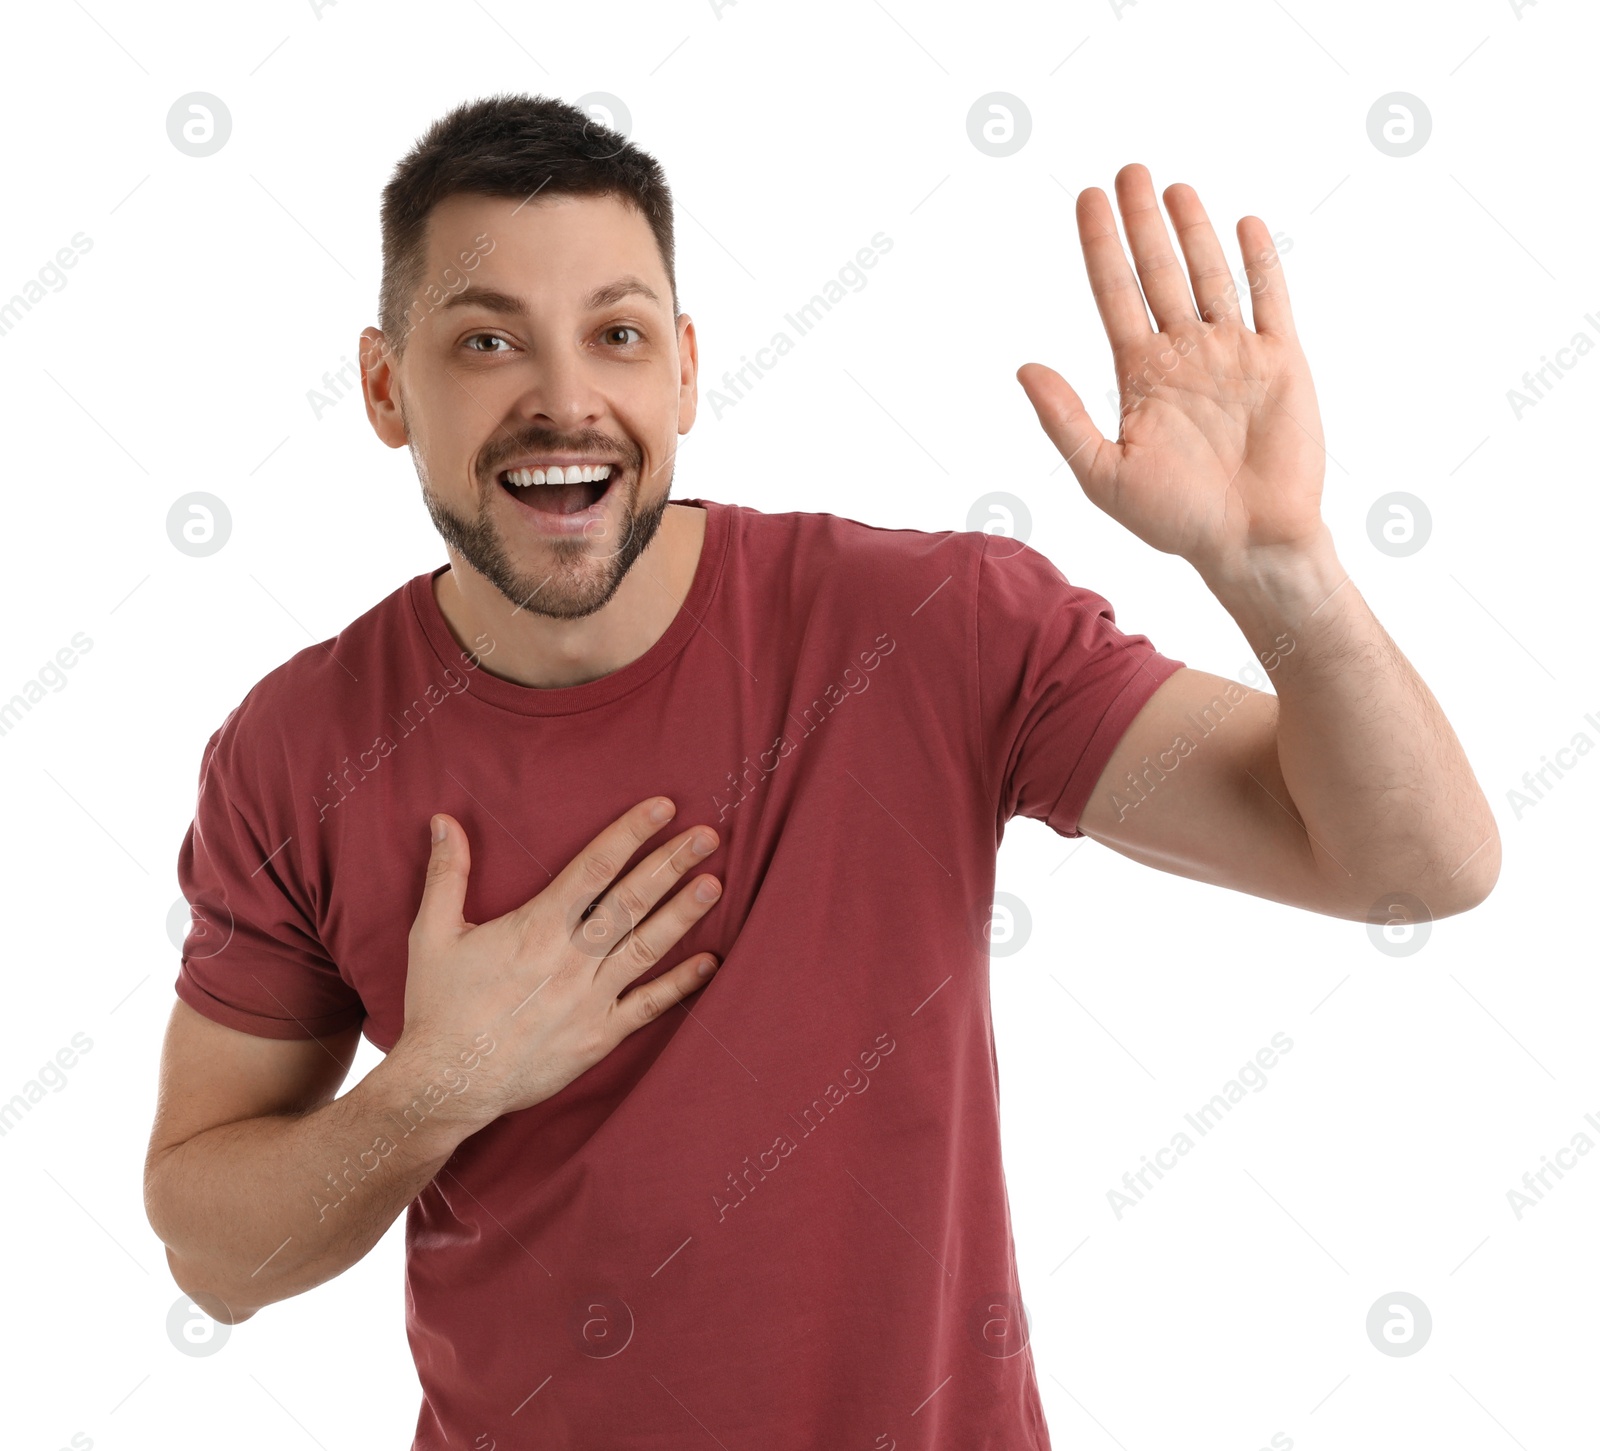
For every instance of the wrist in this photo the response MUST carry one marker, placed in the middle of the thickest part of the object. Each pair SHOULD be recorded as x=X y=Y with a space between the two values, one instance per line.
x=432 y=1094
x=1277 y=584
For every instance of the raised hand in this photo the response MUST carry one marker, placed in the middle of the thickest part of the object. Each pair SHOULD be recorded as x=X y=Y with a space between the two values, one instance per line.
x=1220 y=456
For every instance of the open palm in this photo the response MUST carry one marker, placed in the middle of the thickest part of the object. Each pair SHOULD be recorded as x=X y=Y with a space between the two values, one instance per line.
x=1220 y=453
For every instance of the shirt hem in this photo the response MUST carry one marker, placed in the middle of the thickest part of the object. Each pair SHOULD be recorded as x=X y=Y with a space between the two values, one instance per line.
x=283 y=1029
x=1154 y=670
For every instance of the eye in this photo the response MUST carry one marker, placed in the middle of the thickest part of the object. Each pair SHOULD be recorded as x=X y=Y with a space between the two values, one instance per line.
x=623 y=327
x=492 y=337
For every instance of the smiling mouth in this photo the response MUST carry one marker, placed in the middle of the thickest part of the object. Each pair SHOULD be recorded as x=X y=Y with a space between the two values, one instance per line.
x=560 y=498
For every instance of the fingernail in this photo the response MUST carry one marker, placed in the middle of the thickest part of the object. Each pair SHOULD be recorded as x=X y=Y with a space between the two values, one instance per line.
x=703 y=845
x=438 y=829
x=708 y=967
x=661 y=811
x=708 y=889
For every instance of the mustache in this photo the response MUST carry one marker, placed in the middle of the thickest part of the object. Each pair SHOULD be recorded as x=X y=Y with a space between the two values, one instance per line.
x=589 y=442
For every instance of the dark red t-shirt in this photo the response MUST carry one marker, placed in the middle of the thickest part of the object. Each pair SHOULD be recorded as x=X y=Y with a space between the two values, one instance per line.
x=776 y=1217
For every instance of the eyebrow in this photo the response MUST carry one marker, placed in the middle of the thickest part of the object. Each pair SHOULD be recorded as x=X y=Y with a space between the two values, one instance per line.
x=491 y=299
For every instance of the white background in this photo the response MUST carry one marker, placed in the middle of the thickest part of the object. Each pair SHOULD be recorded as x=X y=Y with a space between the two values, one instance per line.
x=1230 y=1305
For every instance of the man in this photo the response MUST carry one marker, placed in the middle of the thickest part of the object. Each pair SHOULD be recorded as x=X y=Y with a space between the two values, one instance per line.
x=678 y=1170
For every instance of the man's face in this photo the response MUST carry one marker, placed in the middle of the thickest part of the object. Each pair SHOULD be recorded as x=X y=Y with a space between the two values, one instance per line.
x=532 y=343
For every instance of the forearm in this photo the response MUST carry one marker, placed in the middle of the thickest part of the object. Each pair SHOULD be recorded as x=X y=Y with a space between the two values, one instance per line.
x=256 y=1211
x=1372 y=768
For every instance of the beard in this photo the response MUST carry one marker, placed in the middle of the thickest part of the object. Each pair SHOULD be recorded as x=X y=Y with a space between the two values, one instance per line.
x=579 y=577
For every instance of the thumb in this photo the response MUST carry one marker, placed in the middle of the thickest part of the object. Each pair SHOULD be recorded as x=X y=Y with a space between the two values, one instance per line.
x=444 y=889
x=1064 y=419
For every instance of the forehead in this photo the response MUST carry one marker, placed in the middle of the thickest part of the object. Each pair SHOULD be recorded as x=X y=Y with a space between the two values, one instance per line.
x=556 y=243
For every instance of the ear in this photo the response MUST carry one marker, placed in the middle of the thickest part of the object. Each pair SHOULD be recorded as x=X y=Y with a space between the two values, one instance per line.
x=380 y=389
x=688 y=373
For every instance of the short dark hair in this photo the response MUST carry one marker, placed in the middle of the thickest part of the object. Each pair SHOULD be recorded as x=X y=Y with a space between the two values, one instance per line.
x=509 y=145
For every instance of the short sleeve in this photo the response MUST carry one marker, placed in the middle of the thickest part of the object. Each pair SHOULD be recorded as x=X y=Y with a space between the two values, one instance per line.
x=251 y=958
x=1058 y=684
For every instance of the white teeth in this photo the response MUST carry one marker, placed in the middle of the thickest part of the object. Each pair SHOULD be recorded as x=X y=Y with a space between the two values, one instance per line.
x=575 y=473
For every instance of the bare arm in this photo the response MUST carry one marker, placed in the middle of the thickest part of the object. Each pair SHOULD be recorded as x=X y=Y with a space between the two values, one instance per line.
x=1363 y=754
x=288 y=1186
x=1307 y=798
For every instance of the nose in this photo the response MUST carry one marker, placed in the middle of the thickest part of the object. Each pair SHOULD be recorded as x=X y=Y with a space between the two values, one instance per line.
x=561 y=393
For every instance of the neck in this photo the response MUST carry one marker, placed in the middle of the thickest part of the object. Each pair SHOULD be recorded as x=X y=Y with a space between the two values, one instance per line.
x=549 y=654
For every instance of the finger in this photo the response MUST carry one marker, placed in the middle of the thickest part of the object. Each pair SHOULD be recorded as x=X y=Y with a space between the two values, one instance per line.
x=627 y=904
x=444 y=889
x=1116 y=292
x=595 y=867
x=1065 y=421
x=1269 y=294
x=1165 y=286
x=650 y=1000
x=1209 y=276
x=656 y=935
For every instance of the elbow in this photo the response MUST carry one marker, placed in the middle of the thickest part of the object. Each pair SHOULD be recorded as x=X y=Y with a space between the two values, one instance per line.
x=198 y=1286
x=1423 y=884
x=1477 y=892
x=1448 y=887
x=1470 y=884
x=205 y=1297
